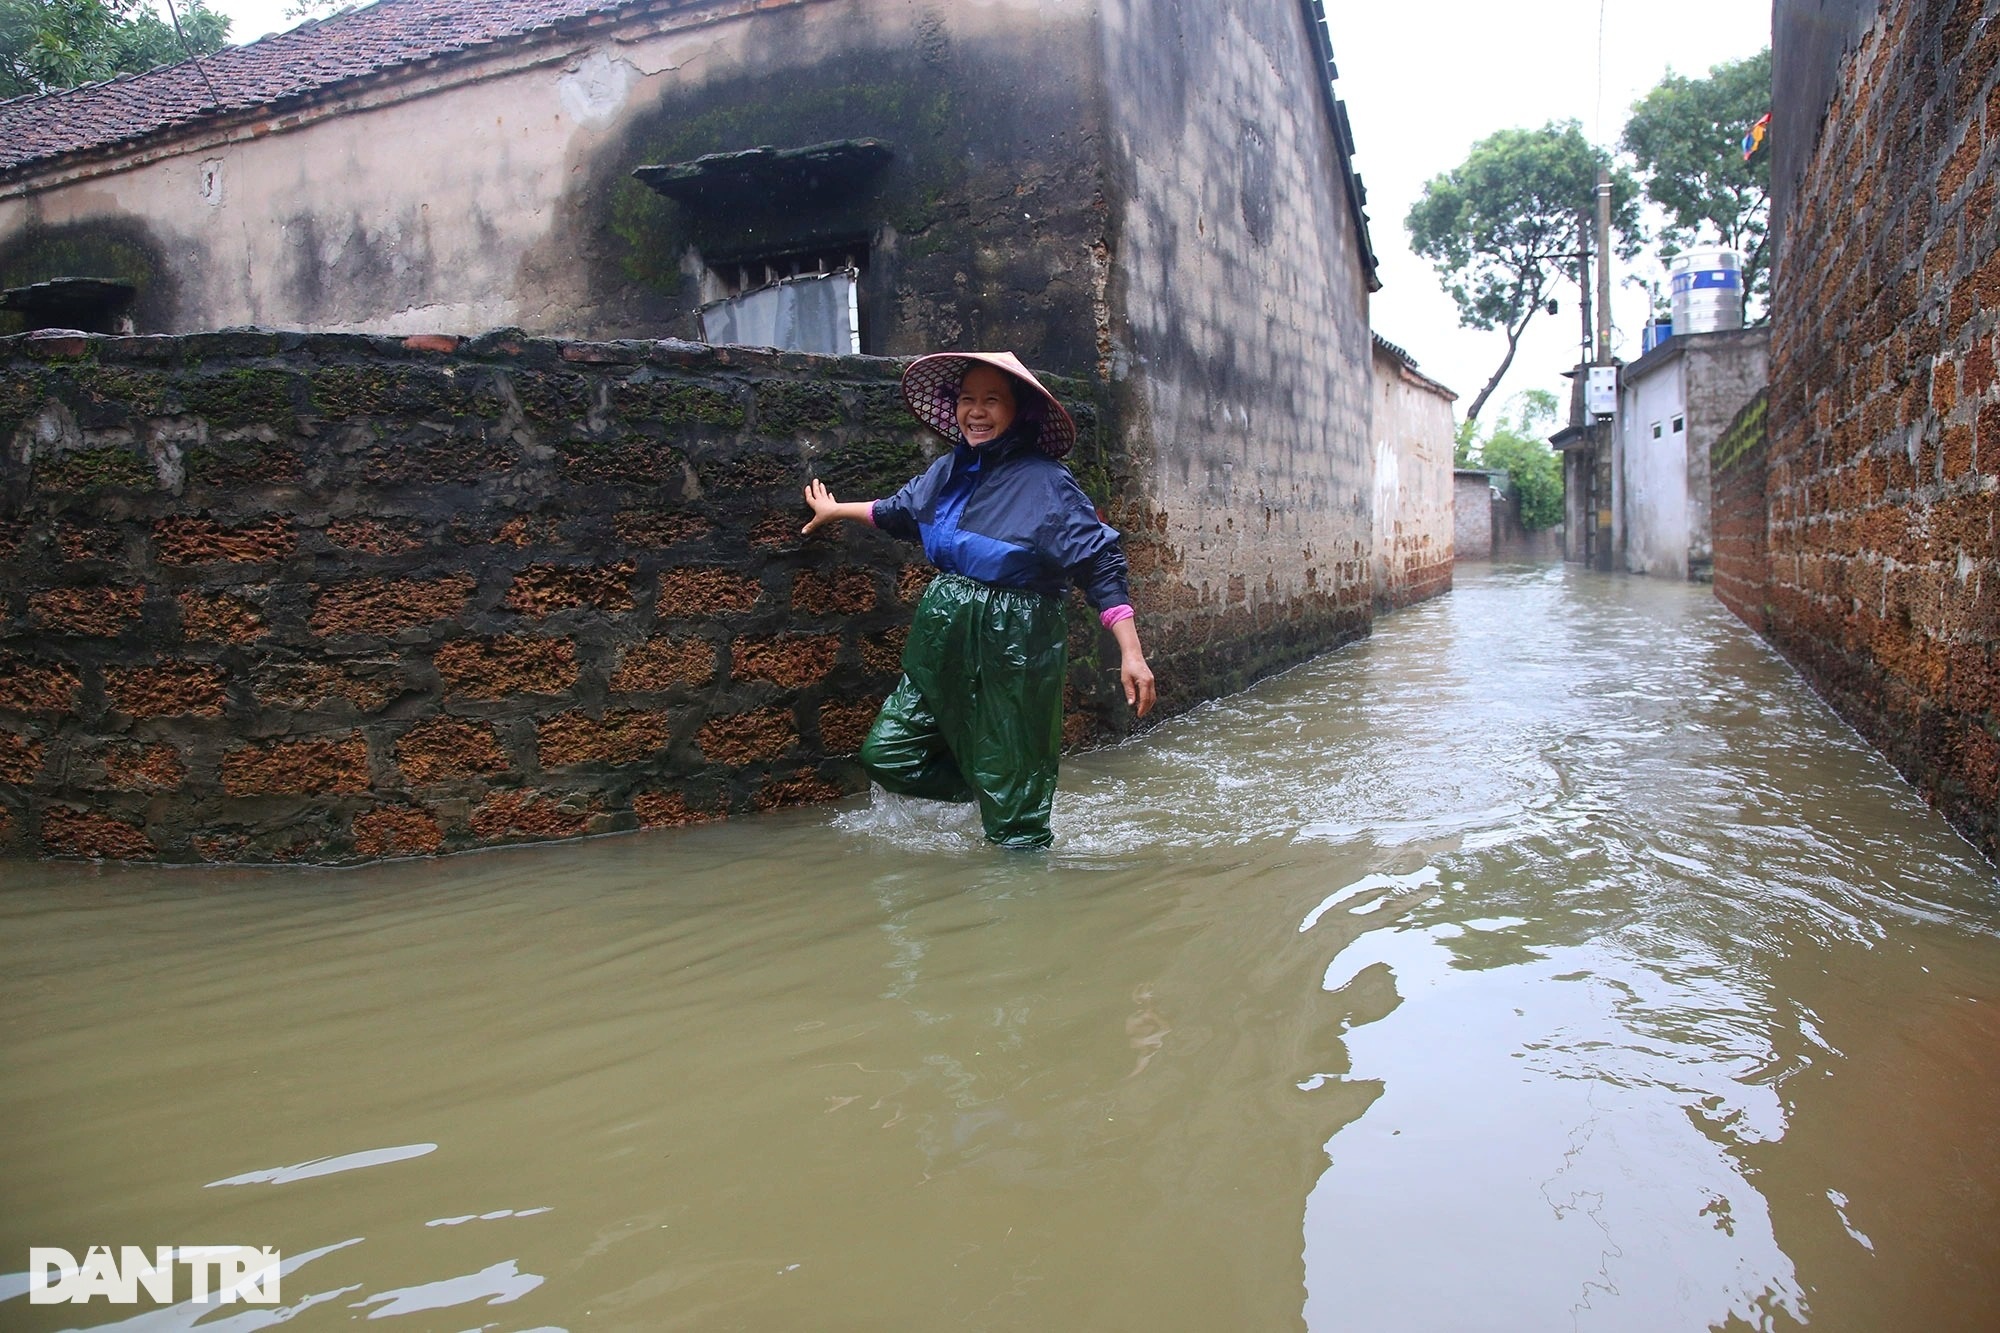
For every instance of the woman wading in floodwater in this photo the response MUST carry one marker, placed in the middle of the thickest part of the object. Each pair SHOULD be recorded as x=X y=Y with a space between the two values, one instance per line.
x=978 y=712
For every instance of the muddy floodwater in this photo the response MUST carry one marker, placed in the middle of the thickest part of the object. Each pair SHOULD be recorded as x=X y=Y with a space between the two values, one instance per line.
x=1552 y=960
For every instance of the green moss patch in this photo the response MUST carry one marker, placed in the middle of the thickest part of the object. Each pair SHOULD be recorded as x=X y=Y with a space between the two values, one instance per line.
x=870 y=468
x=247 y=463
x=670 y=403
x=634 y=461
x=749 y=472
x=137 y=392
x=99 y=469
x=241 y=398
x=1745 y=433
x=339 y=392
x=788 y=409
x=553 y=399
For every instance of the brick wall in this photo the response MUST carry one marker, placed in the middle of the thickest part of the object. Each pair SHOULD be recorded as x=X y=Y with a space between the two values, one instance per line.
x=1884 y=454
x=1736 y=510
x=327 y=597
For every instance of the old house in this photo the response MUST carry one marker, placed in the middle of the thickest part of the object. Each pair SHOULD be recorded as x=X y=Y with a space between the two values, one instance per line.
x=1155 y=203
x=1414 y=502
x=1673 y=404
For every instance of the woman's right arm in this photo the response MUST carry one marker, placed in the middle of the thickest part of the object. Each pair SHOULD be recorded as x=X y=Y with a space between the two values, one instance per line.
x=826 y=509
x=896 y=515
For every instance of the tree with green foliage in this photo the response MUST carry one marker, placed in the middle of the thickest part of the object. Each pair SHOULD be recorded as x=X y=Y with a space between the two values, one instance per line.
x=46 y=45
x=1516 y=446
x=1467 y=445
x=1686 y=136
x=1504 y=227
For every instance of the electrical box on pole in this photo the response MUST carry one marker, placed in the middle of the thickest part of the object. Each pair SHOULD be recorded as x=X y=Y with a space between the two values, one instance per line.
x=1601 y=391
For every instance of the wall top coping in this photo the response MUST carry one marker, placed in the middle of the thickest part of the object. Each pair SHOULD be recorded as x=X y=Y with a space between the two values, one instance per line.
x=1681 y=344
x=508 y=347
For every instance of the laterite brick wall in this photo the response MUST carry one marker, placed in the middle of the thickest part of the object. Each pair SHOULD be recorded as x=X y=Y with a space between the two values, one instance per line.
x=1884 y=457
x=1737 y=461
x=270 y=597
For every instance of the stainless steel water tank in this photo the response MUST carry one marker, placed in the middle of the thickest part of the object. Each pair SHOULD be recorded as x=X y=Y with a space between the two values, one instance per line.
x=1707 y=290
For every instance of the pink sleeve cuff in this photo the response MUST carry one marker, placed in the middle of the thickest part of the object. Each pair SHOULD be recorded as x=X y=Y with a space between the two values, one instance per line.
x=1111 y=615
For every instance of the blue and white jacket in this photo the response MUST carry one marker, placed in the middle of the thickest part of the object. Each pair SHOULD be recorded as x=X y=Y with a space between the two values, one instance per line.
x=1011 y=516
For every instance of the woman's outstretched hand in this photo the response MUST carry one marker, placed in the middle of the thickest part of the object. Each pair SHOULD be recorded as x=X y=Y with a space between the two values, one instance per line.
x=825 y=508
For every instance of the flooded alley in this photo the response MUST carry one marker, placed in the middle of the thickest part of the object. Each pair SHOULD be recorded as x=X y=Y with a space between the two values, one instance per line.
x=1553 y=959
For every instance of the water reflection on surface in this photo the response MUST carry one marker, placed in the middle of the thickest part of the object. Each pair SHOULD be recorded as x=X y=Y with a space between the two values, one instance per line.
x=1551 y=960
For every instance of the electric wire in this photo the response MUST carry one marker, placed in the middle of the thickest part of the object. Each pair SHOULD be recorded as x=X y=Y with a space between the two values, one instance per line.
x=1597 y=119
x=193 y=59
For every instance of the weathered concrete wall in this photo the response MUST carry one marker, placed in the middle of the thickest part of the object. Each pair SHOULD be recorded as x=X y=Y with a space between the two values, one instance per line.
x=1737 y=472
x=1724 y=372
x=1701 y=381
x=1414 y=506
x=981 y=231
x=1592 y=527
x=1238 y=339
x=1884 y=460
x=291 y=597
x=1513 y=540
x=1473 y=504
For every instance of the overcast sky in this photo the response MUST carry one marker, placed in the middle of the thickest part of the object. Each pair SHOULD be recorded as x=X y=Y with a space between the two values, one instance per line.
x=1423 y=81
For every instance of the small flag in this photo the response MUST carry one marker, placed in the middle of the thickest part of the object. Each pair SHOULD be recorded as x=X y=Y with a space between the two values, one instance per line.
x=1755 y=138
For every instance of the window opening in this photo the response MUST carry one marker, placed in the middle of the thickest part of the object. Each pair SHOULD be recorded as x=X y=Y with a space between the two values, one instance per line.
x=1657 y=431
x=1680 y=424
x=804 y=302
x=94 y=305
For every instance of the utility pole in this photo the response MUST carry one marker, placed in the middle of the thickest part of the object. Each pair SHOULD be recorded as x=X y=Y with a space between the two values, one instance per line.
x=1609 y=451
x=1578 y=414
x=1603 y=266
x=1594 y=527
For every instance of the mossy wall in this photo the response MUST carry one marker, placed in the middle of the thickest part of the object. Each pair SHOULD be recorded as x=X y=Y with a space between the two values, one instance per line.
x=289 y=597
x=978 y=232
x=116 y=248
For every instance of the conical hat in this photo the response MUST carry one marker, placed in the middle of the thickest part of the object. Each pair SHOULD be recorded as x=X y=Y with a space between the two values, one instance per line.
x=930 y=387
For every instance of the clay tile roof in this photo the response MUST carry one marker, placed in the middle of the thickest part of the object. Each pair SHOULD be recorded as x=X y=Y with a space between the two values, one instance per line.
x=275 y=69
x=1408 y=366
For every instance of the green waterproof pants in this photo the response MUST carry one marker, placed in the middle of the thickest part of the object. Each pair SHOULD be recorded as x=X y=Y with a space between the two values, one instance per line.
x=978 y=712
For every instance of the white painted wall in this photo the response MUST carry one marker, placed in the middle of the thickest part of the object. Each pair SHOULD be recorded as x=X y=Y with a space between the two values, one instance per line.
x=1414 y=495
x=1656 y=496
